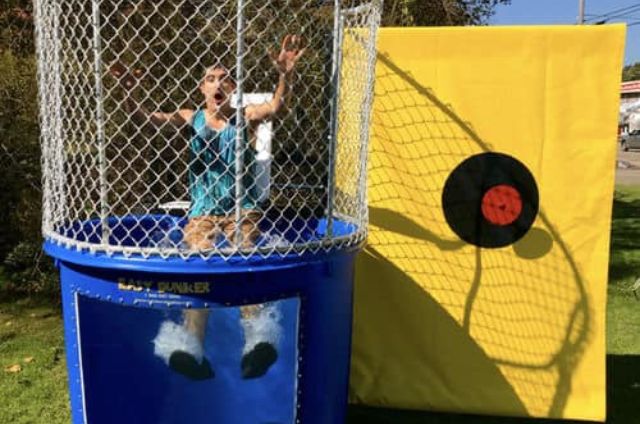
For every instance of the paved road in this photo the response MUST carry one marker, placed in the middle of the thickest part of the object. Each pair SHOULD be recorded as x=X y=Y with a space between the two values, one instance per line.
x=628 y=171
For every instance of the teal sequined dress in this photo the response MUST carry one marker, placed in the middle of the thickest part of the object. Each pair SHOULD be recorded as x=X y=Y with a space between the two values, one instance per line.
x=212 y=169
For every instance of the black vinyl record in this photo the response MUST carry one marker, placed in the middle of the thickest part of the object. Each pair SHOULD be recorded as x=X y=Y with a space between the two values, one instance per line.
x=490 y=200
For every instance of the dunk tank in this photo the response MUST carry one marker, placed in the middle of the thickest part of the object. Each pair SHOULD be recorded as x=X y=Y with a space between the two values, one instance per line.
x=251 y=324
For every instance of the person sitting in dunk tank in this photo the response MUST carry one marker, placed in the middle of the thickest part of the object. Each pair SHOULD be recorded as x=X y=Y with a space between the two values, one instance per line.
x=212 y=176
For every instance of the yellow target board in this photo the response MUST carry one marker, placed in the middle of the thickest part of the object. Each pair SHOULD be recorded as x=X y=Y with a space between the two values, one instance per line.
x=483 y=285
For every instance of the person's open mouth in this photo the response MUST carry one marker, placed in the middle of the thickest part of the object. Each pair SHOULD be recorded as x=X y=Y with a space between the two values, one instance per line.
x=218 y=98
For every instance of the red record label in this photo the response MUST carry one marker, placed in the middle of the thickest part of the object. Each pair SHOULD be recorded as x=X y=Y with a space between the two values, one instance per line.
x=501 y=204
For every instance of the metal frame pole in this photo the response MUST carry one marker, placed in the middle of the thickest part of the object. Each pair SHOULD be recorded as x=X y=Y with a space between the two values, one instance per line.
x=240 y=130
x=59 y=199
x=42 y=15
x=102 y=166
x=367 y=109
x=333 y=141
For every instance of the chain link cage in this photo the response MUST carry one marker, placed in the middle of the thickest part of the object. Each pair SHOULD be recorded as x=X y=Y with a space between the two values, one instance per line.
x=120 y=87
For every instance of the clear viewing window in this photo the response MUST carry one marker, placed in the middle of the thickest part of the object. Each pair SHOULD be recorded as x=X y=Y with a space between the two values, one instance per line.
x=223 y=365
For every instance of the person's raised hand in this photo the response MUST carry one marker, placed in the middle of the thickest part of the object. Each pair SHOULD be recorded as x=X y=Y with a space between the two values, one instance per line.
x=290 y=53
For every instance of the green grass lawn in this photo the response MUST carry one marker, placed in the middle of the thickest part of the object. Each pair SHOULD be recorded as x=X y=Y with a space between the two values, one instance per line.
x=31 y=337
x=623 y=311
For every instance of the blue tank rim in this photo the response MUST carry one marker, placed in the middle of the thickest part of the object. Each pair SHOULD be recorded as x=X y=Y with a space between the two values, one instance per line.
x=193 y=265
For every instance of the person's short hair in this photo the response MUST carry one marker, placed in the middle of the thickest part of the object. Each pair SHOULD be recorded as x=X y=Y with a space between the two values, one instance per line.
x=219 y=65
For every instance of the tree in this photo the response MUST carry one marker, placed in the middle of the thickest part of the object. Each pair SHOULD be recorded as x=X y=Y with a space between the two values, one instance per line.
x=631 y=72
x=20 y=254
x=438 y=12
x=16 y=27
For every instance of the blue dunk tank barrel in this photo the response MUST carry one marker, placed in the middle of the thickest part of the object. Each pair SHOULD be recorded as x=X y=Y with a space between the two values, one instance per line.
x=125 y=324
x=204 y=195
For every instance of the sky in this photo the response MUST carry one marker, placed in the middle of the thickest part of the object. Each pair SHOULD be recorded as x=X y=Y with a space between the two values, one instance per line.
x=528 y=12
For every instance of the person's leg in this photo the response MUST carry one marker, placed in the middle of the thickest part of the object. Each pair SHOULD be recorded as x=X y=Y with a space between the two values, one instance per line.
x=195 y=322
x=185 y=343
x=260 y=324
x=249 y=230
x=262 y=331
x=249 y=234
x=199 y=233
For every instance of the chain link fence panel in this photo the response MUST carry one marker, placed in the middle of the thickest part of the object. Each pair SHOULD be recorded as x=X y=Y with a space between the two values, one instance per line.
x=127 y=166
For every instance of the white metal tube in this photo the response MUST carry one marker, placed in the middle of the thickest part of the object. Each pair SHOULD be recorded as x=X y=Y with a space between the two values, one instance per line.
x=240 y=130
x=41 y=27
x=59 y=200
x=366 y=110
x=333 y=140
x=102 y=165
